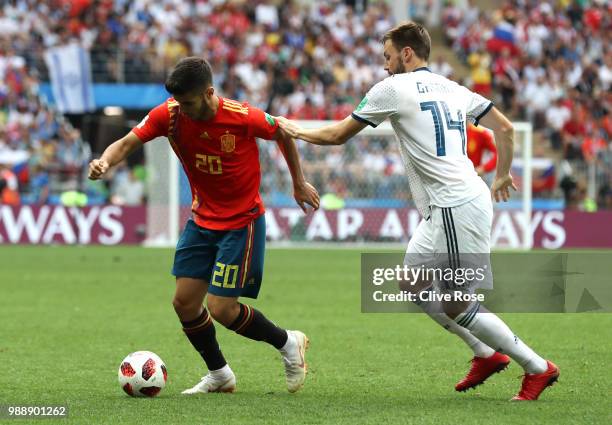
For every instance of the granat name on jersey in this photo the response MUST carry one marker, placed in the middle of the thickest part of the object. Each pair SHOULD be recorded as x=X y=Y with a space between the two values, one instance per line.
x=433 y=88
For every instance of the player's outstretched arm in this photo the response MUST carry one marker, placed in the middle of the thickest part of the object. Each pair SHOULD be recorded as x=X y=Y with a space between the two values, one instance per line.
x=504 y=138
x=303 y=192
x=334 y=134
x=113 y=154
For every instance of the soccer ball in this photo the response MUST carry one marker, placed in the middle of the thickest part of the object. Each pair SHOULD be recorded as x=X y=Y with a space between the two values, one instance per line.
x=142 y=374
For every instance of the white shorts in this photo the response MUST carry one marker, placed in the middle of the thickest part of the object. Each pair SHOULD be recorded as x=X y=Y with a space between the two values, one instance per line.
x=451 y=233
x=464 y=229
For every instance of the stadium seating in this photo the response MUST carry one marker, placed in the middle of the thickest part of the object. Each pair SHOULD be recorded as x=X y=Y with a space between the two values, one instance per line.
x=307 y=62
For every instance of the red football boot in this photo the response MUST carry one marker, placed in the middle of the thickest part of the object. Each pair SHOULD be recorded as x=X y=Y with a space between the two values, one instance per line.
x=535 y=383
x=482 y=368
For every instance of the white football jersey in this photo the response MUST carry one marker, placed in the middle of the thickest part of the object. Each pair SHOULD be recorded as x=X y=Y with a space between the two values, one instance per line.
x=428 y=113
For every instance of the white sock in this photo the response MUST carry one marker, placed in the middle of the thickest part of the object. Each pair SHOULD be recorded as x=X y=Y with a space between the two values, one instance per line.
x=490 y=329
x=479 y=348
x=221 y=373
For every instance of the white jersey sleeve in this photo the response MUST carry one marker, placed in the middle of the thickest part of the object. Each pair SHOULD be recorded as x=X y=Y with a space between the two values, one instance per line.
x=477 y=106
x=378 y=104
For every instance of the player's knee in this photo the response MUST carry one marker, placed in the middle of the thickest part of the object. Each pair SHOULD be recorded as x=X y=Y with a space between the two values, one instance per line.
x=414 y=287
x=455 y=308
x=185 y=307
x=221 y=310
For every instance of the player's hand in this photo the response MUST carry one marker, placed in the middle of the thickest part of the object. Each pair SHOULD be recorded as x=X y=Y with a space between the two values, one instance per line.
x=500 y=189
x=289 y=127
x=306 y=194
x=97 y=168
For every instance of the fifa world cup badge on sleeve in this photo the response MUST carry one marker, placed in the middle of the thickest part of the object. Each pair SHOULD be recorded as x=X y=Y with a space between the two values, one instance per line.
x=271 y=121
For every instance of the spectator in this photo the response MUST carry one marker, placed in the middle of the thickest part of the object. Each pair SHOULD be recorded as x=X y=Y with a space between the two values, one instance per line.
x=604 y=197
x=569 y=186
x=592 y=145
x=480 y=72
x=506 y=79
x=9 y=190
x=556 y=117
x=442 y=67
x=549 y=52
x=308 y=60
x=39 y=185
x=130 y=192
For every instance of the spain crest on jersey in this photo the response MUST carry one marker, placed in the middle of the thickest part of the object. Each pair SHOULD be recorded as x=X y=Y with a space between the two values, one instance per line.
x=228 y=143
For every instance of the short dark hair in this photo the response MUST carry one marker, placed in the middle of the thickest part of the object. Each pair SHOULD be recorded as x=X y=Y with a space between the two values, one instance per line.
x=190 y=74
x=410 y=34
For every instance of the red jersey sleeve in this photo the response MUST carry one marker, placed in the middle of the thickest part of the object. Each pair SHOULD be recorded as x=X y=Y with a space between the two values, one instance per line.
x=261 y=124
x=489 y=144
x=155 y=124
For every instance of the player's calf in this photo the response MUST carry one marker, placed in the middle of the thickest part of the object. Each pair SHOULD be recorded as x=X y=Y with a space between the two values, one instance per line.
x=202 y=335
x=490 y=329
x=435 y=310
x=199 y=329
x=251 y=323
x=246 y=321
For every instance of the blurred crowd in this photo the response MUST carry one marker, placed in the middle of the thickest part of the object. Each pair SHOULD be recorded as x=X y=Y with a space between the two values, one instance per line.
x=312 y=60
x=41 y=154
x=276 y=54
x=548 y=63
x=366 y=168
x=43 y=158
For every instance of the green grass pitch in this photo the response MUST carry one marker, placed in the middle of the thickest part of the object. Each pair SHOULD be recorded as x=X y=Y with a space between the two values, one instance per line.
x=68 y=316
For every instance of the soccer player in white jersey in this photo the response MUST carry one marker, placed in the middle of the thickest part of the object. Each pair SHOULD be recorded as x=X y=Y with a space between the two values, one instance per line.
x=428 y=113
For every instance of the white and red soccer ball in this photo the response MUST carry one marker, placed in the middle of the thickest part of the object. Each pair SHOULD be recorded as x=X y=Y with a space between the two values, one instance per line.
x=142 y=374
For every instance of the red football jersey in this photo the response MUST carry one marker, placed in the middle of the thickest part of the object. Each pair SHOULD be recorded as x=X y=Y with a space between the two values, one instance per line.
x=219 y=156
x=480 y=140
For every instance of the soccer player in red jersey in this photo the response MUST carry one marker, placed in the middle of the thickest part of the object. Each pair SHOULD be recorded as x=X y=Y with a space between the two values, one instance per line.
x=221 y=250
x=480 y=140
